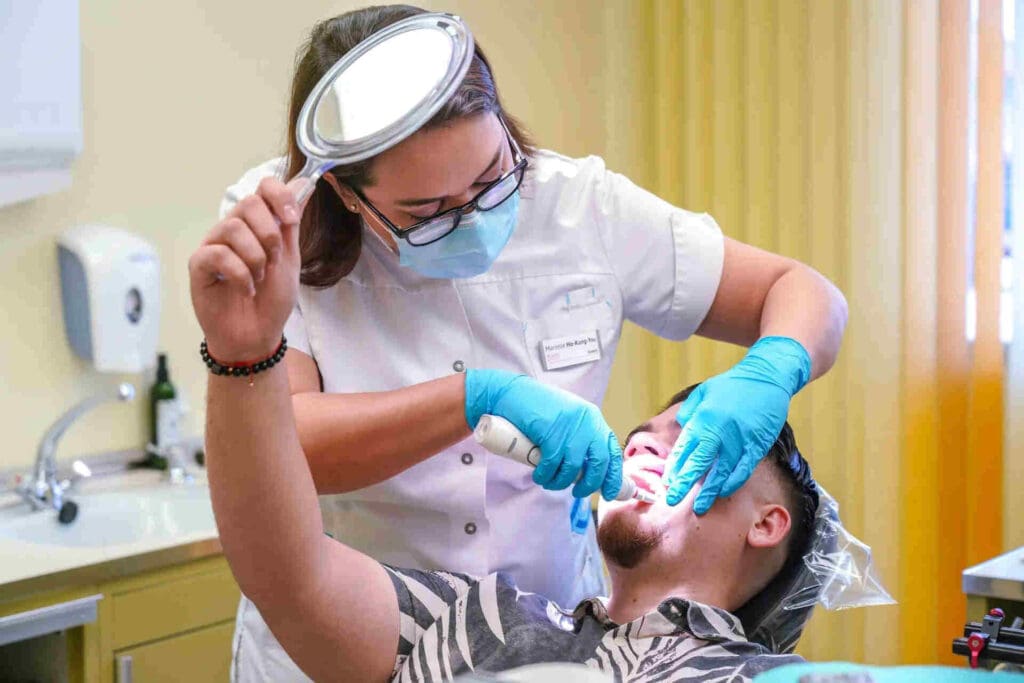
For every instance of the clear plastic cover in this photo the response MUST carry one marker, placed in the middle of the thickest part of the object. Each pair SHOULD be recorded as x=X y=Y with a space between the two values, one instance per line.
x=837 y=572
x=840 y=564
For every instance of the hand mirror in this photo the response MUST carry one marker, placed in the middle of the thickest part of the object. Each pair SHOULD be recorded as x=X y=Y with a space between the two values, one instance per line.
x=381 y=92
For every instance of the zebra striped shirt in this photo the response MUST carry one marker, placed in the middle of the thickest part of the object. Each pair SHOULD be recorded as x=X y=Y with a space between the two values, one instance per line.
x=452 y=624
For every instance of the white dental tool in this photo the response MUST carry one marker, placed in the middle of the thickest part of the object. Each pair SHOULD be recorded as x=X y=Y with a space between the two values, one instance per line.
x=501 y=437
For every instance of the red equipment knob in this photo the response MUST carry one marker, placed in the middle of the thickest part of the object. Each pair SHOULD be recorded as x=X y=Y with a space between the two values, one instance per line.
x=976 y=642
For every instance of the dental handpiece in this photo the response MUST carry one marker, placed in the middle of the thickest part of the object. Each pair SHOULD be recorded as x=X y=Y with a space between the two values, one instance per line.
x=501 y=437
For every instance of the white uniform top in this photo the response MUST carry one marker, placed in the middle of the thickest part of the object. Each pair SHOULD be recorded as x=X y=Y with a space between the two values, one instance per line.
x=590 y=249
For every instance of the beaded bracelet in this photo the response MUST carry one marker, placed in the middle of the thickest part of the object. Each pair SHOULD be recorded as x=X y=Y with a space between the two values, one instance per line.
x=248 y=369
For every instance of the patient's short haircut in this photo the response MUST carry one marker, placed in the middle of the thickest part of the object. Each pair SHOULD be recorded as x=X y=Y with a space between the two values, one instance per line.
x=799 y=488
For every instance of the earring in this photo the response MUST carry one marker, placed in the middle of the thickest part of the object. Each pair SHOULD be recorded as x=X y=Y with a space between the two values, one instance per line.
x=354 y=208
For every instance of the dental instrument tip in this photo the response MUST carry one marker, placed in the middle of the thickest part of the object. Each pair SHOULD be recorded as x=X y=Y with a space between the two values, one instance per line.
x=644 y=497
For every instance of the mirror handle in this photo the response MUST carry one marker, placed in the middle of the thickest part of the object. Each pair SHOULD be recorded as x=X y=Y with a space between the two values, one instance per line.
x=311 y=171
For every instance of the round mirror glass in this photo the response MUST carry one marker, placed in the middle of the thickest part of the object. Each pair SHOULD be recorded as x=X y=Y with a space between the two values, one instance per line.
x=381 y=92
x=383 y=86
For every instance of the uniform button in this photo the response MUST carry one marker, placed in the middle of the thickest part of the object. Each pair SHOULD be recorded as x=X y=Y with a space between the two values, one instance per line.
x=458 y=366
x=470 y=528
x=467 y=458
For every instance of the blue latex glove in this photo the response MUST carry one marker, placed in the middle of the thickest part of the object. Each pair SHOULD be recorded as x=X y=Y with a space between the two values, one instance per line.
x=731 y=421
x=571 y=433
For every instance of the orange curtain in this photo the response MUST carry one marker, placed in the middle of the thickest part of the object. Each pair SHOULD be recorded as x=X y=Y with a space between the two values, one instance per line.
x=984 y=464
x=837 y=133
x=953 y=353
x=952 y=389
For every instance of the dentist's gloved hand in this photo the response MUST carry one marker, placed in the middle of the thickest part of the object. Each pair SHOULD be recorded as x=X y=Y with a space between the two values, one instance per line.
x=731 y=421
x=571 y=433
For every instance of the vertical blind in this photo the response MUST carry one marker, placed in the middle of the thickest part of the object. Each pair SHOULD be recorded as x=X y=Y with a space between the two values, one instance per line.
x=836 y=133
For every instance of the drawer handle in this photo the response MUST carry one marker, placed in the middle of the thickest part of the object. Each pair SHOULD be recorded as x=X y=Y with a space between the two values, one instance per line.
x=124 y=669
x=49 y=619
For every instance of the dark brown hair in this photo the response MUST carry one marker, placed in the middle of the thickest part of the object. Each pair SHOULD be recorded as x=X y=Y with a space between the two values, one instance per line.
x=330 y=236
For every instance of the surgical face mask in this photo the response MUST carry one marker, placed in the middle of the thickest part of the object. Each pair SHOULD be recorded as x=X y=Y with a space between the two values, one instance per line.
x=470 y=249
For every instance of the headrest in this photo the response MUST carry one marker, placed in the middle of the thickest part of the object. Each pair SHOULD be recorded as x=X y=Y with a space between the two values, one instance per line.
x=766 y=618
x=835 y=570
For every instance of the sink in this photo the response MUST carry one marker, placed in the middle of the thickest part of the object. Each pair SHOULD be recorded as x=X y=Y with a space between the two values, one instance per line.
x=117 y=517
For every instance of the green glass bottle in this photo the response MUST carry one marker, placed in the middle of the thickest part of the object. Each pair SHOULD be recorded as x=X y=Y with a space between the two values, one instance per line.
x=163 y=411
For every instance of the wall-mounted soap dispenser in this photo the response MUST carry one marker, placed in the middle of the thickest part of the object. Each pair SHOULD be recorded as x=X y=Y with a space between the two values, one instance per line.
x=110 y=289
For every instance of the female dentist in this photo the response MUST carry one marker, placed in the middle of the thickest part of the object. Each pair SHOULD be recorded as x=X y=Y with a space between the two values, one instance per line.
x=464 y=248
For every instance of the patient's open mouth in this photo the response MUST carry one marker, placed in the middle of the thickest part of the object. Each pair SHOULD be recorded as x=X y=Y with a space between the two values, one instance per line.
x=641 y=483
x=646 y=469
x=647 y=479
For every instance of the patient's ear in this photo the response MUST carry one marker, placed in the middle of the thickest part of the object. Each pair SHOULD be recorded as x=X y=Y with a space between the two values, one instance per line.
x=770 y=527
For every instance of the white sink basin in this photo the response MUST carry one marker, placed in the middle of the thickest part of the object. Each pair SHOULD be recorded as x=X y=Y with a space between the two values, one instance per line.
x=117 y=517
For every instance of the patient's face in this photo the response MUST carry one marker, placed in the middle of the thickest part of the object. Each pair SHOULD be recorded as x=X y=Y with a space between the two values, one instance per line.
x=631 y=531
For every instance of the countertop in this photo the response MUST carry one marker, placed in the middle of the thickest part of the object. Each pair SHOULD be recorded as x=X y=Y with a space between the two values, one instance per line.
x=28 y=567
x=1000 y=577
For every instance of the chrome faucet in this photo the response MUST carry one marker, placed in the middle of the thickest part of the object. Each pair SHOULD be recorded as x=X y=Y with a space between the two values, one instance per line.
x=44 y=491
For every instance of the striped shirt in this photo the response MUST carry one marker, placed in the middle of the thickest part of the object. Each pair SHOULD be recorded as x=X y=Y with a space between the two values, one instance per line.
x=453 y=624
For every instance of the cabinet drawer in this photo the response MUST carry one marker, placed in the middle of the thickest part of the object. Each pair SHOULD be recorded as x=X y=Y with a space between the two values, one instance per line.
x=203 y=655
x=172 y=606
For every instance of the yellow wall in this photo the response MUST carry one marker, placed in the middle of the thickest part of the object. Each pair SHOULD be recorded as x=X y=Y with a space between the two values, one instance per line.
x=179 y=99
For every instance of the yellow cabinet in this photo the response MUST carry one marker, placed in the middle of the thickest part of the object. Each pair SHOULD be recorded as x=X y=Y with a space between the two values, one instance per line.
x=202 y=655
x=171 y=624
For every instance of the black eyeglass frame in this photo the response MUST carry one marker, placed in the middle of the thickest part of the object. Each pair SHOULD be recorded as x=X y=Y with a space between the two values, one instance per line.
x=461 y=210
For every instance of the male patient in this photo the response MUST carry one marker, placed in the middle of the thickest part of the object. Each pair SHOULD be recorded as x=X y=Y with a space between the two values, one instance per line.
x=676 y=578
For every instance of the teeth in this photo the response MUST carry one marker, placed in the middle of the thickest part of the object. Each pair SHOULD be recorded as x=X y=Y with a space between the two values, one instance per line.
x=652 y=480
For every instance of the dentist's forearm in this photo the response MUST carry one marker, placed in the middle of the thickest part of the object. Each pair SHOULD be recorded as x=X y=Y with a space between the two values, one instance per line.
x=805 y=306
x=355 y=440
x=761 y=294
x=263 y=496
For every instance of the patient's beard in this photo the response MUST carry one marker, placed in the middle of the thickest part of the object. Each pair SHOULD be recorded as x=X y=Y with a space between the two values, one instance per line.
x=623 y=542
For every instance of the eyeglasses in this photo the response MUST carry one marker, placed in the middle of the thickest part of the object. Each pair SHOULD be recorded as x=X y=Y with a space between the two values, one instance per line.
x=443 y=224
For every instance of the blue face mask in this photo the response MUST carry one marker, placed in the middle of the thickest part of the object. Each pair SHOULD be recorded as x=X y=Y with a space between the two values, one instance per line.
x=470 y=249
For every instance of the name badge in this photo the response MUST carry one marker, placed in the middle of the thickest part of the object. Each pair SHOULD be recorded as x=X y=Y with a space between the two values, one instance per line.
x=565 y=352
